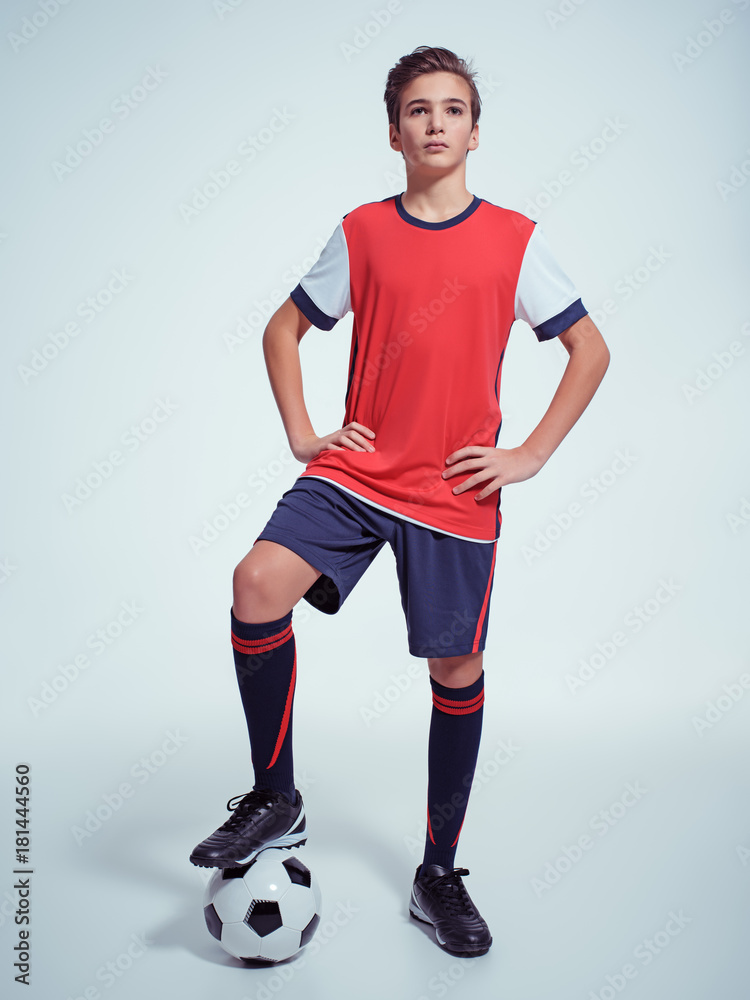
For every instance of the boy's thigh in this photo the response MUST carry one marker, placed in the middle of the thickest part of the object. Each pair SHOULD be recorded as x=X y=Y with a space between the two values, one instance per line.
x=446 y=584
x=333 y=532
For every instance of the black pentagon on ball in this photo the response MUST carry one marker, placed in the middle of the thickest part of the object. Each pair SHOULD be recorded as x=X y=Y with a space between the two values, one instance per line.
x=263 y=916
x=308 y=932
x=297 y=872
x=227 y=873
x=212 y=921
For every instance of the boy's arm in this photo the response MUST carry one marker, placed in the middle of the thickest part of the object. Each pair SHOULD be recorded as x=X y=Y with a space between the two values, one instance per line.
x=588 y=361
x=281 y=341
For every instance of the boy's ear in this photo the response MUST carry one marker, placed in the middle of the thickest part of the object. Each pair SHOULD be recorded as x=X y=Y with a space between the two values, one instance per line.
x=393 y=137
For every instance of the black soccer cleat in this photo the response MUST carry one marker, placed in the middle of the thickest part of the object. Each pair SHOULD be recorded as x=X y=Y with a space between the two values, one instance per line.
x=439 y=897
x=260 y=819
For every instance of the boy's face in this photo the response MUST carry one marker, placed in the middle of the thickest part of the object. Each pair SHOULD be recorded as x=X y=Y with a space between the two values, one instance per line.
x=435 y=128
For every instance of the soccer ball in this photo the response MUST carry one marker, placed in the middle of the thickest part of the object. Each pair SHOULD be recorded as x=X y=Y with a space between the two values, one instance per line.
x=264 y=911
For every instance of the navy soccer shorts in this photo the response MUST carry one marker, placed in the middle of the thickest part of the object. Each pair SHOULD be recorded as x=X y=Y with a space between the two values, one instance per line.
x=445 y=582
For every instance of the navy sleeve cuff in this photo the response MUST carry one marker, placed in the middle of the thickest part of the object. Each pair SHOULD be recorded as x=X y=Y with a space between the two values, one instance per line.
x=556 y=324
x=306 y=305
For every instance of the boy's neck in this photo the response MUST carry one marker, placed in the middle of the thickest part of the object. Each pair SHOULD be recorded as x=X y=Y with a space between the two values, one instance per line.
x=436 y=199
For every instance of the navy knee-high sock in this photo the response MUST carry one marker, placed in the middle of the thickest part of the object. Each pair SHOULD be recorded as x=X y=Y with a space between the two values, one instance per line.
x=455 y=732
x=265 y=660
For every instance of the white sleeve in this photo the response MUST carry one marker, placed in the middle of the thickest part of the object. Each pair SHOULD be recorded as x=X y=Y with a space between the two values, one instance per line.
x=323 y=294
x=546 y=298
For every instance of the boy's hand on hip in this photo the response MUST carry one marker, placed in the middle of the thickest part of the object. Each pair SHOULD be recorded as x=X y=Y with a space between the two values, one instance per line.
x=501 y=466
x=354 y=436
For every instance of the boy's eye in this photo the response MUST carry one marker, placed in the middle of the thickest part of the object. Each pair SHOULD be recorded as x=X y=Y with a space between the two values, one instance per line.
x=454 y=108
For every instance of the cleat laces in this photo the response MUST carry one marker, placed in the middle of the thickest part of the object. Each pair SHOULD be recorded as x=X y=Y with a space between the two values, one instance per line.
x=452 y=893
x=242 y=807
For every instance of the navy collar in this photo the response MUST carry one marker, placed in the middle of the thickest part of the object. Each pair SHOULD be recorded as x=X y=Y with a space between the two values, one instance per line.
x=445 y=224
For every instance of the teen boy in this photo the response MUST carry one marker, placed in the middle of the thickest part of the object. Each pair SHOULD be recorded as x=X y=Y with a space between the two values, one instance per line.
x=435 y=278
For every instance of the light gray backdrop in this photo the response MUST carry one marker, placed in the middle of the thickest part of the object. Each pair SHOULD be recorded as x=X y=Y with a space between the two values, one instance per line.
x=170 y=171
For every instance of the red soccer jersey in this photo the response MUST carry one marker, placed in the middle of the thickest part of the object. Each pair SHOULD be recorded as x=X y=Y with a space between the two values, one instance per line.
x=433 y=304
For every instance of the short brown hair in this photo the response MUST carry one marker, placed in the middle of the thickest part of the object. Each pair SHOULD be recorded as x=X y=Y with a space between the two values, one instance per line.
x=427 y=59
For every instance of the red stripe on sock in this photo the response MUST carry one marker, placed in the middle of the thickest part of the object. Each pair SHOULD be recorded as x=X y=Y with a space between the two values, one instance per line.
x=459 y=832
x=263 y=645
x=429 y=825
x=287 y=713
x=458 y=707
